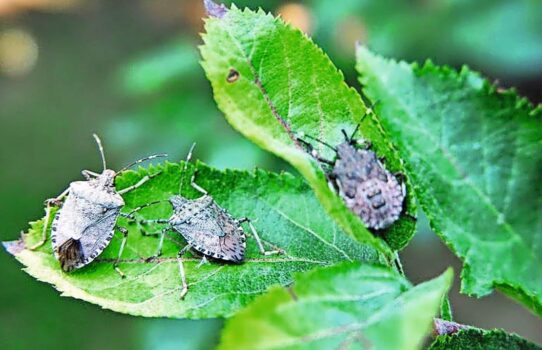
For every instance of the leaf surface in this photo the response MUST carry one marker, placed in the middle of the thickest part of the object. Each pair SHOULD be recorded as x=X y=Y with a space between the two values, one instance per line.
x=475 y=154
x=273 y=83
x=478 y=339
x=347 y=306
x=285 y=212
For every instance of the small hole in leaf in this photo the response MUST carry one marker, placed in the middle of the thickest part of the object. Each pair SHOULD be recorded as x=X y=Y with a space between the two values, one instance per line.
x=233 y=75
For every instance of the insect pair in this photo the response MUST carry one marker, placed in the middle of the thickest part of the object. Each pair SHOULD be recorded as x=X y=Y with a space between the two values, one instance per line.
x=87 y=220
x=362 y=181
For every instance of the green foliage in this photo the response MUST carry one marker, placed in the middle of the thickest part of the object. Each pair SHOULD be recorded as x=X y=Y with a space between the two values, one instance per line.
x=347 y=306
x=453 y=32
x=161 y=67
x=167 y=334
x=285 y=213
x=475 y=155
x=478 y=339
x=446 y=312
x=287 y=85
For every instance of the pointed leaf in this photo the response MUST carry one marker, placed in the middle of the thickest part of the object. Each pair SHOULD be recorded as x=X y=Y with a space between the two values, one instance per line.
x=475 y=153
x=285 y=212
x=272 y=83
x=340 y=307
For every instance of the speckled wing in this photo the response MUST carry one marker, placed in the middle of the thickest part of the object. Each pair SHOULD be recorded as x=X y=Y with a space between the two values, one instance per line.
x=88 y=216
x=213 y=232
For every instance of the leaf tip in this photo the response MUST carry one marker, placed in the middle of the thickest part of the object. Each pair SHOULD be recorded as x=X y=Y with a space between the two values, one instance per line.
x=14 y=247
x=443 y=327
x=448 y=275
x=215 y=10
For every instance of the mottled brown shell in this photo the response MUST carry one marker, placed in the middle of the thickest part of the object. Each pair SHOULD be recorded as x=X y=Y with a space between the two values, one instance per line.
x=208 y=228
x=367 y=188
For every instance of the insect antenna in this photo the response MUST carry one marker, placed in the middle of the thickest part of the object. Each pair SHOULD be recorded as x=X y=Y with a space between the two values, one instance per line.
x=367 y=111
x=101 y=148
x=160 y=155
x=356 y=129
x=188 y=157
x=136 y=209
x=320 y=141
x=346 y=135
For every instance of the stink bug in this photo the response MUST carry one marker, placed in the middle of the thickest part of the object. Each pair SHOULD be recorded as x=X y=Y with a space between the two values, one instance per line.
x=207 y=228
x=367 y=188
x=87 y=219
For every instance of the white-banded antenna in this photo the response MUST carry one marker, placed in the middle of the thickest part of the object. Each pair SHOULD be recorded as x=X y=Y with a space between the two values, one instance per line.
x=160 y=155
x=188 y=157
x=101 y=148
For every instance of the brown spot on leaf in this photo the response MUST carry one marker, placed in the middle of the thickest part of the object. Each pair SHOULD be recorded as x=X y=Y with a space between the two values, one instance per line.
x=233 y=76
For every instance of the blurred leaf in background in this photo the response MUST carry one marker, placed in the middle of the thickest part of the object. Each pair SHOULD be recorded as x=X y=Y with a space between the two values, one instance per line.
x=502 y=38
x=167 y=334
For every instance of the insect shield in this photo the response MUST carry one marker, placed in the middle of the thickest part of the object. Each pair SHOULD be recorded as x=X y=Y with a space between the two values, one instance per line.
x=367 y=188
x=207 y=228
x=87 y=219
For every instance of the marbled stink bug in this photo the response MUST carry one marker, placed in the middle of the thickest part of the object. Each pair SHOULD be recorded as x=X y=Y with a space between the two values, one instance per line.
x=362 y=181
x=87 y=219
x=207 y=228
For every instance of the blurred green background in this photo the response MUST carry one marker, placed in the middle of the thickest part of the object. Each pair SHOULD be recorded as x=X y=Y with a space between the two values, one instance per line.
x=128 y=69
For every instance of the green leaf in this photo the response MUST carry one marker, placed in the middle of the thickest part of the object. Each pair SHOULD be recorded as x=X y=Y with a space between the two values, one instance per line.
x=329 y=308
x=453 y=32
x=446 y=312
x=475 y=154
x=287 y=85
x=156 y=70
x=285 y=213
x=478 y=339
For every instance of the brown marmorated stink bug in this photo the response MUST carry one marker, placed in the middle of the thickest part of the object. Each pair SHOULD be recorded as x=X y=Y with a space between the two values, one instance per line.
x=367 y=188
x=207 y=228
x=87 y=219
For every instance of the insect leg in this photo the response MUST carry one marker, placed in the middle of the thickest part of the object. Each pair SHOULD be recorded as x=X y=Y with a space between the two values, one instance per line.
x=317 y=140
x=184 y=285
x=398 y=265
x=89 y=175
x=130 y=214
x=139 y=183
x=160 y=244
x=202 y=262
x=195 y=185
x=258 y=240
x=362 y=143
x=400 y=176
x=49 y=203
x=153 y=221
x=122 y=245
x=315 y=154
x=149 y=234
